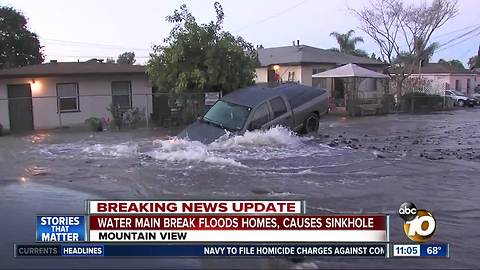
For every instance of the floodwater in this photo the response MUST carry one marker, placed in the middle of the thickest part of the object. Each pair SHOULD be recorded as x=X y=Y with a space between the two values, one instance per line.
x=363 y=165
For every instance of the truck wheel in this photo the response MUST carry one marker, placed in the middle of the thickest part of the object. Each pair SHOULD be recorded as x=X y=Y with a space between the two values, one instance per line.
x=311 y=123
x=461 y=103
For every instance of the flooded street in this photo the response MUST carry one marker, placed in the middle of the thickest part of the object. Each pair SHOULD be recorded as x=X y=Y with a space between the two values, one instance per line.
x=363 y=165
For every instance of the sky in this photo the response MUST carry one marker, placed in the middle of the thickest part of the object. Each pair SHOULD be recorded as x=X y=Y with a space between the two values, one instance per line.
x=72 y=30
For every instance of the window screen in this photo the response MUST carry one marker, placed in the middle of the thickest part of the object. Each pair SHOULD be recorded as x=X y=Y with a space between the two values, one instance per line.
x=367 y=84
x=121 y=94
x=67 y=94
x=278 y=107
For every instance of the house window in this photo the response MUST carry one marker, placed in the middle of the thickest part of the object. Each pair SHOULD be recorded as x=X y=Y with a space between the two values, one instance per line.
x=278 y=107
x=458 y=85
x=322 y=82
x=122 y=94
x=317 y=70
x=67 y=97
x=447 y=86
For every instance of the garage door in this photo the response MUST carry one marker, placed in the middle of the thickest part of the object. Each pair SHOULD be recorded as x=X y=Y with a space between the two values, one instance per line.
x=20 y=107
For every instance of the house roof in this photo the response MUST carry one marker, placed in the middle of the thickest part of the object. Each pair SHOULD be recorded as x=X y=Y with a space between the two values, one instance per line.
x=349 y=70
x=442 y=68
x=70 y=68
x=303 y=54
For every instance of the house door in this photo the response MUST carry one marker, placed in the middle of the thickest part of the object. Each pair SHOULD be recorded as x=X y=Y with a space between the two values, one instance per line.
x=338 y=94
x=468 y=86
x=271 y=76
x=20 y=107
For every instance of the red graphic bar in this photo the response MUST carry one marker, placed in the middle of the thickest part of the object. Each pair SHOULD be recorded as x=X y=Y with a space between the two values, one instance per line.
x=232 y=222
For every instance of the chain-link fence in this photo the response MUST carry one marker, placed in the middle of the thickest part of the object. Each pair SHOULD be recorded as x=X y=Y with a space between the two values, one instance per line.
x=175 y=109
x=420 y=95
x=417 y=102
x=100 y=112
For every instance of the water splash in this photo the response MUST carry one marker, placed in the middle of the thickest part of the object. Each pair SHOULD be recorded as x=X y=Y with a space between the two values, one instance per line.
x=118 y=150
x=181 y=150
x=248 y=150
x=276 y=136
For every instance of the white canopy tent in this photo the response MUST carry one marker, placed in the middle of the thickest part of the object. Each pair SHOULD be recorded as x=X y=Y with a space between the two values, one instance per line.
x=354 y=87
x=350 y=70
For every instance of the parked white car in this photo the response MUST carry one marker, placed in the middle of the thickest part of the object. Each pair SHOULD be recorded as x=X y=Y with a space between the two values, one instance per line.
x=476 y=96
x=460 y=98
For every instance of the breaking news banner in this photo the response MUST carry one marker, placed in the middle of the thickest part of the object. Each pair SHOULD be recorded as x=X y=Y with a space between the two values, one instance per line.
x=238 y=228
x=201 y=250
x=191 y=228
x=196 y=207
x=223 y=228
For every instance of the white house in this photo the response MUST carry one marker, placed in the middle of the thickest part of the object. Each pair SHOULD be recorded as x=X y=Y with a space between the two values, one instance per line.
x=298 y=63
x=62 y=94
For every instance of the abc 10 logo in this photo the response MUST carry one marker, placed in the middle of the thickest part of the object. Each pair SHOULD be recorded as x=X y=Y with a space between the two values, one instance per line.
x=419 y=224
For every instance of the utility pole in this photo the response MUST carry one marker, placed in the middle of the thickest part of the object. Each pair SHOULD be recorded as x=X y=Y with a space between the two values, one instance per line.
x=477 y=65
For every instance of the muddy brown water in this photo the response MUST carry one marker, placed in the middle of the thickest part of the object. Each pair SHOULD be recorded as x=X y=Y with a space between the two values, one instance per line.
x=363 y=165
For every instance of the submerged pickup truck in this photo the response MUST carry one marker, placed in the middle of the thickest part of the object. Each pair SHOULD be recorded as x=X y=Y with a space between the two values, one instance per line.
x=295 y=106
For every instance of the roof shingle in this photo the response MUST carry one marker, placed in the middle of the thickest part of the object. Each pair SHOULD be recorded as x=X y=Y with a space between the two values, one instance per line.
x=303 y=54
x=442 y=68
x=70 y=68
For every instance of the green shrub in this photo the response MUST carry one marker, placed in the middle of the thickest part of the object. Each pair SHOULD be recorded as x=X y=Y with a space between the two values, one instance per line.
x=132 y=117
x=419 y=101
x=94 y=123
x=117 y=115
x=126 y=117
x=388 y=103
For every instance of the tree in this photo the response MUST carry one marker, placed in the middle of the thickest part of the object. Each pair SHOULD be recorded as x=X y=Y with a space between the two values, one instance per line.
x=110 y=60
x=454 y=63
x=424 y=52
x=18 y=45
x=126 y=58
x=347 y=43
x=201 y=57
x=402 y=30
x=474 y=62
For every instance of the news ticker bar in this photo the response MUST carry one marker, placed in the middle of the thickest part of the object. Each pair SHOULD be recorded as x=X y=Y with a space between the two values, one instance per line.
x=201 y=250
x=421 y=250
x=438 y=250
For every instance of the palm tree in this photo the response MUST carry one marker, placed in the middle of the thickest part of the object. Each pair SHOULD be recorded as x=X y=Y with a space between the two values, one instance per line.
x=474 y=62
x=454 y=63
x=347 y=43
x=423 y=52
